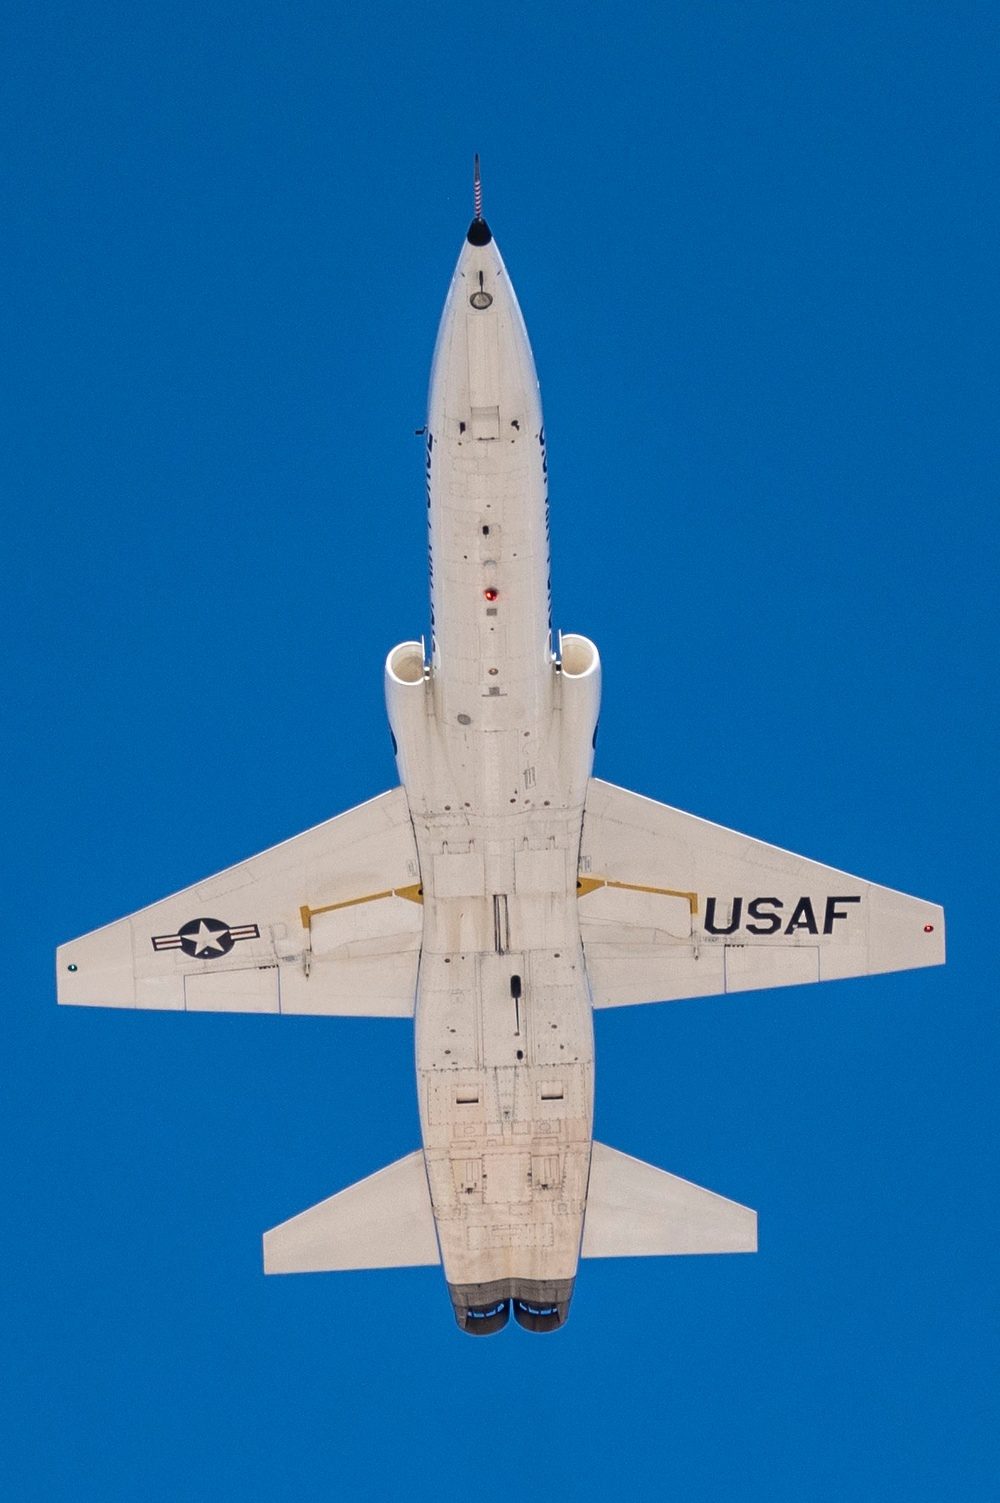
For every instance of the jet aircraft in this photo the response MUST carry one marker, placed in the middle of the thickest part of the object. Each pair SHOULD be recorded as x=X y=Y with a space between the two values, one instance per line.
x=497 y=896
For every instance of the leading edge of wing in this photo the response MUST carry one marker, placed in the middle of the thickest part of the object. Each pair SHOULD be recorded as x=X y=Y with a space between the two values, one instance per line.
x=651 y=807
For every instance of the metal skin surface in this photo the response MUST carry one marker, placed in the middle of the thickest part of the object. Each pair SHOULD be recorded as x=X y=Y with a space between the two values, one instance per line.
x=495 y=746
x=498 y=896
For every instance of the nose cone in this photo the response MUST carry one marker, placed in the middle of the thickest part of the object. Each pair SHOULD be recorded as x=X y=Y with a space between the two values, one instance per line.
x=483 y=373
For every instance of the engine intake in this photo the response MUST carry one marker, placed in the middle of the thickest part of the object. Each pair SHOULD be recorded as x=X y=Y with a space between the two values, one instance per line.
x=580 y=699
x=406 y=702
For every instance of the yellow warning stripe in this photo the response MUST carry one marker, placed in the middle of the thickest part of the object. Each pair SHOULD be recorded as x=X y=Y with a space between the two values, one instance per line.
x=414 y=894
x=590 y=884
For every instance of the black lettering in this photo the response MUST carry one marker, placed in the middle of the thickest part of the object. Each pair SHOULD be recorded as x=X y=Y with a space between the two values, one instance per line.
x=803 y=917
x=710 y=925
x=831 y=912
x=772 y=921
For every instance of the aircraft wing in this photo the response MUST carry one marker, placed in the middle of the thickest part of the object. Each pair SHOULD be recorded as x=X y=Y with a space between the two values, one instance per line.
x=329 y=922
x=673 y=906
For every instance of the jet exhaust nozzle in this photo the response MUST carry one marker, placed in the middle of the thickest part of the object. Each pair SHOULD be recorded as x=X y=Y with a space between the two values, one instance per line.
x=485 y=1320
x=483 y=1309
x=539 y=1318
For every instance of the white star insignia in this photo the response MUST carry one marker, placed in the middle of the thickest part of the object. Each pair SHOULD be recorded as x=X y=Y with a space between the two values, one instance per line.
x=206 y=939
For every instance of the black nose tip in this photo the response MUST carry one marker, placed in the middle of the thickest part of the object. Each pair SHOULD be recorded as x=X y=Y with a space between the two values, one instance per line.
x=479 y=233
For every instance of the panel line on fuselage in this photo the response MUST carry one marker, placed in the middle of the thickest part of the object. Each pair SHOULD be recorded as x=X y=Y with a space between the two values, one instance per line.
x=492 y=770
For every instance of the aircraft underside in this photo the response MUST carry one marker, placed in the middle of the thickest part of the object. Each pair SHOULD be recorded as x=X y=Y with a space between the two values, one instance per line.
x=497 y=896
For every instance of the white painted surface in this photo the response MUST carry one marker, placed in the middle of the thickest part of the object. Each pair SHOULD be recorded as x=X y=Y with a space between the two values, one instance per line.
x=637 y=1211
x=495 y=756
x=361 y=959
x=383 y=1221
x=823 y=923
x=466 y=877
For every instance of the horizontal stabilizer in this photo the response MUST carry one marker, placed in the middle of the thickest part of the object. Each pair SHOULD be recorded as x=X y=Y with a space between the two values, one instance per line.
x=637 y=1211
x=384 y=1221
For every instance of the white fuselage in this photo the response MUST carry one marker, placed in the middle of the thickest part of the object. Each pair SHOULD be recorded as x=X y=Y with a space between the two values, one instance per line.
x=495 y=744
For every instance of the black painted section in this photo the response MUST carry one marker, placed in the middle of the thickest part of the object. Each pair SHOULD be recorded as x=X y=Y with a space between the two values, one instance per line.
x=485 y=1322
x=479 y=233
x=531 y=1318
x=539 y=1305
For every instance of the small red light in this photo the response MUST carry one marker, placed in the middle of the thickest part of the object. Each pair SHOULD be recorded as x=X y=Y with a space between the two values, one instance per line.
x=490 y=594
x=928 y=928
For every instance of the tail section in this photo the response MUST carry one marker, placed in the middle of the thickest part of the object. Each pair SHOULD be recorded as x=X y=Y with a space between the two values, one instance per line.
x=384 y=1221
x=636 y=1211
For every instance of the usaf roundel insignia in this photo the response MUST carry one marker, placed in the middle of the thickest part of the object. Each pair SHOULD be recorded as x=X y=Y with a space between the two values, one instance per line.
x=205 y=938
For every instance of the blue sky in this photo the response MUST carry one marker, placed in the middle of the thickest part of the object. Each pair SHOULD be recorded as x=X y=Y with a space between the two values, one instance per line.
x=755 y=245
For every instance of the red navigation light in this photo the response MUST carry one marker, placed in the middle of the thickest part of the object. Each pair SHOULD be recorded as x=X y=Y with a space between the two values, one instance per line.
x=490 y=594
x=928 y=928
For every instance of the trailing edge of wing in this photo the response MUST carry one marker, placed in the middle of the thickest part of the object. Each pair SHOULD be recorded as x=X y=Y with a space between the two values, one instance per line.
x=637 y=1211
x=384 y=1221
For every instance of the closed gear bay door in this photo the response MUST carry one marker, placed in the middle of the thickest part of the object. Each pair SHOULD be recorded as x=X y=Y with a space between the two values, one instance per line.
x=674 y=906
